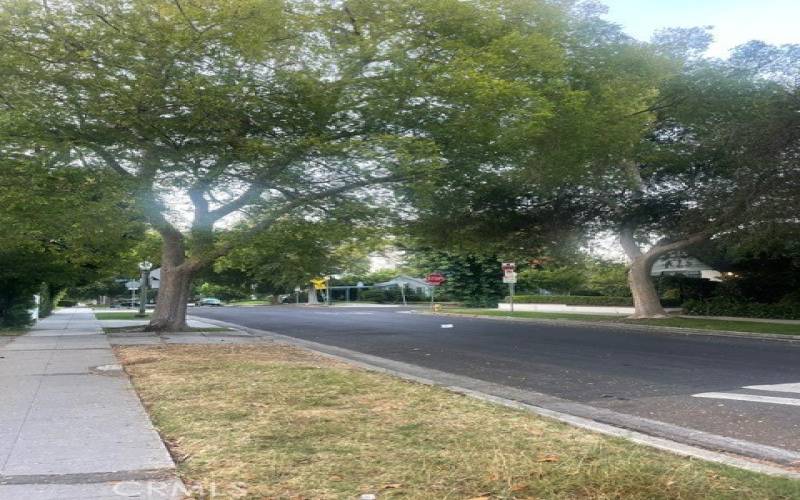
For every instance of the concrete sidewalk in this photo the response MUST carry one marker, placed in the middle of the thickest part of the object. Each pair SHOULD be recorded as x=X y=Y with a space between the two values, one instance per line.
x=71 y=425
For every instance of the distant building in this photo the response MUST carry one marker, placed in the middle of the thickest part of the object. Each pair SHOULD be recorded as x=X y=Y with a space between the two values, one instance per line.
x=417 y=285
x=683 y=264
x=155 y=278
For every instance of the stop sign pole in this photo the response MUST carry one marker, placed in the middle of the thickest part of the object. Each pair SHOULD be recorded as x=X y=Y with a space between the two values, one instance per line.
x=434 y=279
x=510 y=277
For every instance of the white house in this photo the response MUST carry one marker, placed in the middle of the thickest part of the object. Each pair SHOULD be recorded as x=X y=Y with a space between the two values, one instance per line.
x=681 y=263
x=417 y=285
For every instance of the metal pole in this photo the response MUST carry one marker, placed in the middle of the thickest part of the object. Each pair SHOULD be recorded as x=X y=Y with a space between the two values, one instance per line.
x=347 y=294
x=403 y=293
x=433 y=291
x=133 y=298
x=143 y=293
x=297 y=297
x=511 y=285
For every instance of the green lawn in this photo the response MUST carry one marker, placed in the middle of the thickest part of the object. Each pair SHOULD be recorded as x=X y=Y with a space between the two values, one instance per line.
x=692 y=323
x=11 y=332
x=297 y=425
x=140 y=329
x=249 y=303
x=119 y=315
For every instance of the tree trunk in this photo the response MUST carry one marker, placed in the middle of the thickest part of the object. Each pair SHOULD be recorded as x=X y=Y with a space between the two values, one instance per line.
x=312 y=296
x=645 y=296
x=646 y=303
x=175 y=287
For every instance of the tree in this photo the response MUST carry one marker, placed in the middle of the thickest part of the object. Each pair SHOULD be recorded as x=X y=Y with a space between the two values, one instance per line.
x=646 y=140
x=471 y=278
x=721 y=157
x=58 y=226
x=204 y=109
x=587 y=95
x=295 y=250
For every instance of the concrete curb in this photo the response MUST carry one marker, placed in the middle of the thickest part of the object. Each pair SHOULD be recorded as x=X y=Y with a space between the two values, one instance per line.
x=671 y=330
x=674 y=439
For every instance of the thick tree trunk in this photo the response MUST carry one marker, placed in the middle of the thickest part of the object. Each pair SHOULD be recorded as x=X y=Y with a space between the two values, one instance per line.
x=176 y=282
x=173 y=298
x=646 y=302
x=645 y=296
x=312 y=296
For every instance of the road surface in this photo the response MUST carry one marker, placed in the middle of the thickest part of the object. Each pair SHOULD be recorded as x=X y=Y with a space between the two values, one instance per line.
x=738 y=388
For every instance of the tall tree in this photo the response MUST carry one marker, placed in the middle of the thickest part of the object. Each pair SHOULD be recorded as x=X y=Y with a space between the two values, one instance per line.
x=576 y=98
x=723 y=156
x=59 y=226
x=205 y=108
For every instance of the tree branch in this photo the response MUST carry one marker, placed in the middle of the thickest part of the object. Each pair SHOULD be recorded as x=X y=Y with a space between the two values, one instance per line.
x=189 y=21
x=252 y=194
x=110 y=160
x=266 y=222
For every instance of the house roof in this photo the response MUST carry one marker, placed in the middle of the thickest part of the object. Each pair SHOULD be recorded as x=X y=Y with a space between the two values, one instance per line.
x=404 y=279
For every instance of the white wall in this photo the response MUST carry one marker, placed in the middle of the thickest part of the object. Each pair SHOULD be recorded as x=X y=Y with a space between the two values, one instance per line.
x=611 y=311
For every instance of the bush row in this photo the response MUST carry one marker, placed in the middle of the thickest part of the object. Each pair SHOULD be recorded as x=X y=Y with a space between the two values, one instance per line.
x=574 y=300
x=723 y=306
x=389 y=296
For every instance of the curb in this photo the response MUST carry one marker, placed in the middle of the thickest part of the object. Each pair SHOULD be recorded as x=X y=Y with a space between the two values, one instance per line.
x=672 y=330
x=667 y=437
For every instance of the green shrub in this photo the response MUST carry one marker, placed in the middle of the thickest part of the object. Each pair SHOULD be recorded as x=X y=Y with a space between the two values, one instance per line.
x=373 y=295
x=724 y=306
x=390 y=295
x=67 y=303
x=574 y=300
x=18 y=314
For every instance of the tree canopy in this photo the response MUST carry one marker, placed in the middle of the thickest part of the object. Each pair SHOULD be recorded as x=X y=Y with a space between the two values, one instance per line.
x=504 y=127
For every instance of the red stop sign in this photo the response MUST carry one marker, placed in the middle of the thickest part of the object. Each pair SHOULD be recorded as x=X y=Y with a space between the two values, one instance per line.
x=435 y=279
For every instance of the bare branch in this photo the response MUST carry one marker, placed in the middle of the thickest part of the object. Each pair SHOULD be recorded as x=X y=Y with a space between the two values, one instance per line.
x=189 y=21
x=110 y=160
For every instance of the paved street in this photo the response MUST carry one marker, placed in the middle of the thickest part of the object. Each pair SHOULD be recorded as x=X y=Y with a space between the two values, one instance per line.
x=739 y=388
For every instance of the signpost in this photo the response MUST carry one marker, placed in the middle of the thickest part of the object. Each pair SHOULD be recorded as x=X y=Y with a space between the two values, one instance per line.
x=510 y=277
x=434 y=279
x=132 y=286
x=322 y=284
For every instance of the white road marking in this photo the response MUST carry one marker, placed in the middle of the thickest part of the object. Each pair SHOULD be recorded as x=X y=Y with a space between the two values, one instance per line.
x=748 y=397
x=776 y=387
x=447 y=325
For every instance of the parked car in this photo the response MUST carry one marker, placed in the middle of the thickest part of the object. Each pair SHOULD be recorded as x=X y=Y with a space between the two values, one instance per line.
x=209 y=301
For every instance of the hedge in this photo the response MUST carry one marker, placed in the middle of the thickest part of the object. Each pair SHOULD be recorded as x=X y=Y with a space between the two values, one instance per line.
x=574 y=300
x=722 y=306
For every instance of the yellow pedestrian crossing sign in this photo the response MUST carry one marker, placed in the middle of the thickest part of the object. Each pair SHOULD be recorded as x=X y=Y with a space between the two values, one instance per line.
x=319 y=283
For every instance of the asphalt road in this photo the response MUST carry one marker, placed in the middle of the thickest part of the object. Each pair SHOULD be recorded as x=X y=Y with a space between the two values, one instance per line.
x=692 y=381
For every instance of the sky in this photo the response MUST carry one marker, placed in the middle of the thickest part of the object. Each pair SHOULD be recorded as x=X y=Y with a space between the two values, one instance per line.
x=734 y=21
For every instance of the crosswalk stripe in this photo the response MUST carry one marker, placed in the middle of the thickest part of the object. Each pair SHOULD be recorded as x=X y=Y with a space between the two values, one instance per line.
x=748 y=397
x=776 y=387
